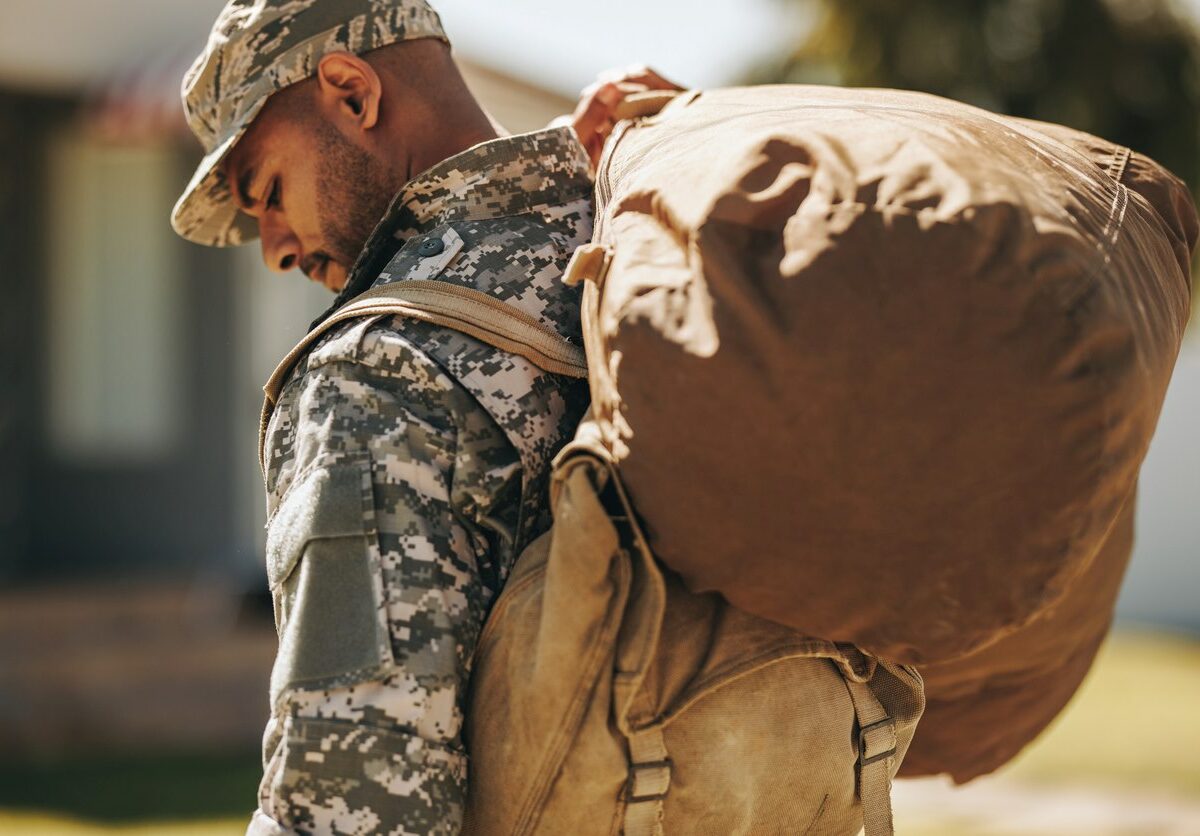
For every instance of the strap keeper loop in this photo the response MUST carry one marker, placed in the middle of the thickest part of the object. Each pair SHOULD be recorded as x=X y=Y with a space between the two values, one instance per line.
x=864 y=744
x=648 y=781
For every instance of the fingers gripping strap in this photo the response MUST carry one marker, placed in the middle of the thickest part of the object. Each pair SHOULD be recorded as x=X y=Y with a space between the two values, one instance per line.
x=645 y=103
x=462 y=308
x=876 y=757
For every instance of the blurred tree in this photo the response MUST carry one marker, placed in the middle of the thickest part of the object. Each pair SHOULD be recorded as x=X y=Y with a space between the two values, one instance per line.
x=1127 y=70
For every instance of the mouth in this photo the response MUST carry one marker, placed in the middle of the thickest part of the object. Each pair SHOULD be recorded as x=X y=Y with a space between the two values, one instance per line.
x=316 y=267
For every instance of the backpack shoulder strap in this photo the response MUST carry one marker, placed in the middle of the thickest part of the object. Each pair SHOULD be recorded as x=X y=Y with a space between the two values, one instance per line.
x=464 y=309
x=876 y=758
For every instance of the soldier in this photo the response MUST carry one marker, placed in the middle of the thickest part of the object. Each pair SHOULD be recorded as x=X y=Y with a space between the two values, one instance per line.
x=405 y=462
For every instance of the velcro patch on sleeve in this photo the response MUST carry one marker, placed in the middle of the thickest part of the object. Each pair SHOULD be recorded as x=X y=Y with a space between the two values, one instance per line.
x=323 y=568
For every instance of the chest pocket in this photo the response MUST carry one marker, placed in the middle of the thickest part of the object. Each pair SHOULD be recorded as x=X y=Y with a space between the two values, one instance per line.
x=323 y=566
x=424 y=257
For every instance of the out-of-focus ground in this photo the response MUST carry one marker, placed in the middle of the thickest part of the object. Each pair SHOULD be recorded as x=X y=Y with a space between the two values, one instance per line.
x=1121 y=761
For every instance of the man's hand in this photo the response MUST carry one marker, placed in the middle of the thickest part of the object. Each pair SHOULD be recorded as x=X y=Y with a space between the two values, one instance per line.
x=593 y=118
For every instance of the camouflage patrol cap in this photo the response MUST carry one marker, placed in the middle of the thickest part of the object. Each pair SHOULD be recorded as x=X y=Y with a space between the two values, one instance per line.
x=256 y=48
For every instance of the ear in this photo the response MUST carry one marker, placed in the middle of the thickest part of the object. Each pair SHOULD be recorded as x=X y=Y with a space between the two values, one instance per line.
x=350 y=89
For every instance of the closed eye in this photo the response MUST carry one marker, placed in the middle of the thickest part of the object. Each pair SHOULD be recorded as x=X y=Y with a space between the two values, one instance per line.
x=273 y=197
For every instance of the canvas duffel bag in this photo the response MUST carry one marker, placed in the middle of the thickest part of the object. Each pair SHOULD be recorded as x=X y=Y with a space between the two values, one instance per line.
x=1083 y=339
x=861 y=337
x=1030 y=674
x=873 y=340
x=982 y=709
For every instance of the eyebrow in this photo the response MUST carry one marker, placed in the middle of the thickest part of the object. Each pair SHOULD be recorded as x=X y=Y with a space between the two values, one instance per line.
x=243 y=187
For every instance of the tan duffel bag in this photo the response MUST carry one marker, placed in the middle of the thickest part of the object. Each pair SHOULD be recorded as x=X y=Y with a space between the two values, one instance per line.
x=984 y=707
x=883 y=367
x=874 y=339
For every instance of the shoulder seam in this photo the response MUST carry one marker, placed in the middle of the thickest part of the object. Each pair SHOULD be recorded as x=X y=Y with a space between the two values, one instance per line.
x=359 y=357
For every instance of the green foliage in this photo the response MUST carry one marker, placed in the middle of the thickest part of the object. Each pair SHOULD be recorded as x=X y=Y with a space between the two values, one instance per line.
x=1126 y=70
x=131 y=788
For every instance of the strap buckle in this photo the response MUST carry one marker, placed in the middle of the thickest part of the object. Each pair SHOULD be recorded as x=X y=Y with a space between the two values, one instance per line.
x=588 y=263
x=648 y=781
x=863 y=744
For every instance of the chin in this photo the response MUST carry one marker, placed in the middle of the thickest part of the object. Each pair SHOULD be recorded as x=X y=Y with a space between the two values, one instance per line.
x=334 y=278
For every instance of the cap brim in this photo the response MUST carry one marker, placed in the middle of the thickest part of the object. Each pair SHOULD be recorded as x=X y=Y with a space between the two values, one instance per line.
x=205 y=213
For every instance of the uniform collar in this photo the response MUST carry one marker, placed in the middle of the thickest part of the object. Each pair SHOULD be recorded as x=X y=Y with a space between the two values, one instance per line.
x=503 y=176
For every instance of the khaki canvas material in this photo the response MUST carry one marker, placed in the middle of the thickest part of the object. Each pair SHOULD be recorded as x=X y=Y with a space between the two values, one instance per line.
x=984 y=708
x=868 y=339
x=608 y=699
x=937 y=341
x=1028 y=676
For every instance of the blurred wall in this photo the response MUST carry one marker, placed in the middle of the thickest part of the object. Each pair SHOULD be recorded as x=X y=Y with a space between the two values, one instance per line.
x=1163 y=582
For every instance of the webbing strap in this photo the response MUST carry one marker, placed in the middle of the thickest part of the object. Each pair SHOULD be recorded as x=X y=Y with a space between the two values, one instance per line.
x=649 y=780
x=465 y=309
x=876 y=758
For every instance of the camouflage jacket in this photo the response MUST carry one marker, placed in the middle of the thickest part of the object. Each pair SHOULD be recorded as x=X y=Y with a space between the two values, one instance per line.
x=406 y=468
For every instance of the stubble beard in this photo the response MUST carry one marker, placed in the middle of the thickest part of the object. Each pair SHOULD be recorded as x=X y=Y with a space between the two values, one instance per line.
x=356 y=189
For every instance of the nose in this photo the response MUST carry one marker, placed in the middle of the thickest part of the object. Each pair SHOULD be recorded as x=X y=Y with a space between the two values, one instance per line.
x=280 y=246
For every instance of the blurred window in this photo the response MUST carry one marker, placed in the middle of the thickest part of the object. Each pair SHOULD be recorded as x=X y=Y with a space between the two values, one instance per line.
x=271 y=314
x=113 y=302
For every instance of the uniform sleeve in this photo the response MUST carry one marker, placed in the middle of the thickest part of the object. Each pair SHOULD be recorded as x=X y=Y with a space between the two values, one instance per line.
x=378 y=567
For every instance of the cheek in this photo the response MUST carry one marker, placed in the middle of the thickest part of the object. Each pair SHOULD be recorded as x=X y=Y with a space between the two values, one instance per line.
x=305 y=211
x=297 y=172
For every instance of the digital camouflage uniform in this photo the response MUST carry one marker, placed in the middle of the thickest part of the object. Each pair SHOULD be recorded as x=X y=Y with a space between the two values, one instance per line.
x=406 y=468
x=405 y=463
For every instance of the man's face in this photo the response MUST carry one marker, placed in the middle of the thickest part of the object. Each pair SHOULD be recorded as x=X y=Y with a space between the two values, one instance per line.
x=315 y=193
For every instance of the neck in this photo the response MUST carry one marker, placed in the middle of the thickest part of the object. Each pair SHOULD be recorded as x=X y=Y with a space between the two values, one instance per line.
x=446 y=145
x=453 y=127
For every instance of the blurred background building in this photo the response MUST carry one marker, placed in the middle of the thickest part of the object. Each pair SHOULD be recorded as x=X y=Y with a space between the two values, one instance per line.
x=133 y=614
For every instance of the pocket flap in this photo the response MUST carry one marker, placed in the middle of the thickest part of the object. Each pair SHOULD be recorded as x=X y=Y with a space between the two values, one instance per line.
x=326 y=580
x=325 y=503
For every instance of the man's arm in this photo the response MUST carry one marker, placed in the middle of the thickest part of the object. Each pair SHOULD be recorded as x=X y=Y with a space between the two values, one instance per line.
x=380 y=473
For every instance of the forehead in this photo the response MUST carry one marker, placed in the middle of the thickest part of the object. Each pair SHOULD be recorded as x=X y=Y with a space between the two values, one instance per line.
x=269 y=133
x=247 y=151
